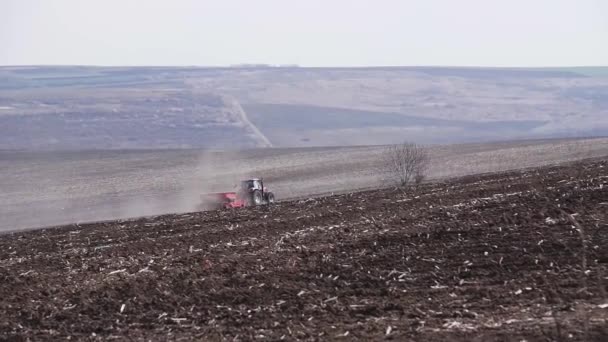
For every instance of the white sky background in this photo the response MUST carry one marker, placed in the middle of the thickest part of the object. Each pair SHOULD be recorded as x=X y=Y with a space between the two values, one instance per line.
x=309 y=33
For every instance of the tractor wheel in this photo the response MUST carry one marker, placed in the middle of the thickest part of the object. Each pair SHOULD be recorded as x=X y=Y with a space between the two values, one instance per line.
x=269 y=198
x=258 y=198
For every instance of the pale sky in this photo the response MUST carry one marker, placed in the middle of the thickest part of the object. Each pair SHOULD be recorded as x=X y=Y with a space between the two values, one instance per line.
x=305 y=32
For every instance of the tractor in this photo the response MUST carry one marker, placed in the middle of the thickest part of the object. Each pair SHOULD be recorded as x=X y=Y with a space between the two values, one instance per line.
x=253 y=192
x=250 y=192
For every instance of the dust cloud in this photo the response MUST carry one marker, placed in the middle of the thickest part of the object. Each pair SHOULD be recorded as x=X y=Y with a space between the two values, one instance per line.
x=213 y=171
x=77 y=187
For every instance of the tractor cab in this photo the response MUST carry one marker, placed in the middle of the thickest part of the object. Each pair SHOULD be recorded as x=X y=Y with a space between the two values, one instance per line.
x=252 y=184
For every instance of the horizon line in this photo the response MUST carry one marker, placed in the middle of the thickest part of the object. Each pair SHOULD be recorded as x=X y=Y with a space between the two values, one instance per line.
x=290 y=65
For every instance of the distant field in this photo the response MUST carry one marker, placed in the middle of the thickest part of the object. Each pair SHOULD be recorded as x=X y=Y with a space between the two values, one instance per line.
x=76 y=107
x=599 y=71
x=303 y=125
x=76 y=119
x=50 y=188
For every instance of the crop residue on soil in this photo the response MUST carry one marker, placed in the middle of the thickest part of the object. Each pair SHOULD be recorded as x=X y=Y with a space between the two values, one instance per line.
x=511 y=256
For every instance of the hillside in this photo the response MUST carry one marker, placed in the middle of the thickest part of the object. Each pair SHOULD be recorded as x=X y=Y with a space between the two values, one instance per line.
x=163 y=107
x=512 y=256
x=51 y=188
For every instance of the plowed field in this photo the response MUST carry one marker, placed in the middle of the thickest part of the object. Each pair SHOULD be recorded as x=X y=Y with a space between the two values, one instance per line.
x=511 y=256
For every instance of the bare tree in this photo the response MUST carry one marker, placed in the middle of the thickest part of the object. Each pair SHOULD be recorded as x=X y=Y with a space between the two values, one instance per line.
x=404 y=163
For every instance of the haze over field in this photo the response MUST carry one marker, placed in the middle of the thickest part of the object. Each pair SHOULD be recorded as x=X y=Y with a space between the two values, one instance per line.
x=516 y=33
x=346 y=92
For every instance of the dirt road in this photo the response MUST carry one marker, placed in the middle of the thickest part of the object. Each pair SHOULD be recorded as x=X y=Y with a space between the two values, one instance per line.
x=511 y=256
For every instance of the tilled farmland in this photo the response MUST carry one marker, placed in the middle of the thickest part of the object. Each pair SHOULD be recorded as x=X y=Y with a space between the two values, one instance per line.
x=511 y=256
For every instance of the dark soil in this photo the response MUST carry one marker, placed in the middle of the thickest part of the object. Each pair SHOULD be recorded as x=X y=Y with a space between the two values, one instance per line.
x=512 y=256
